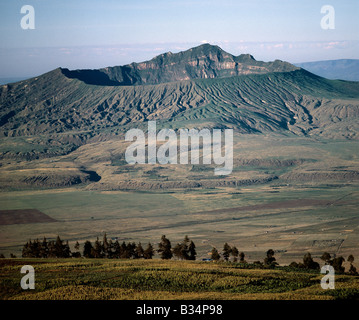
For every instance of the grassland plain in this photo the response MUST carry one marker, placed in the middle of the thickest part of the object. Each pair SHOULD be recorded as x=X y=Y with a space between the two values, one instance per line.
x=254 y=215
x=99 y=279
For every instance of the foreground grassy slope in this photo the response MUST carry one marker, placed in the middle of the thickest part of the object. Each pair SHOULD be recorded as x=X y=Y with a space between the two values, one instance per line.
x=158 y=279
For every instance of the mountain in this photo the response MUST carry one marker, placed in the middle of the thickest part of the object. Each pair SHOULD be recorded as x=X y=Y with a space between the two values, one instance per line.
x=201 y=87
x=202 y=62
x=344 y=69
x=12 y=79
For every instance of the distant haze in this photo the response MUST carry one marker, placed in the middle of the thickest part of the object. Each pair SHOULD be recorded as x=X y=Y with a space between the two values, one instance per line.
x=344 y=69
x=97 y=34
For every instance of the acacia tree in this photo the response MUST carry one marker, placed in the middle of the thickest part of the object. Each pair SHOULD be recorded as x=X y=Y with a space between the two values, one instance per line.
x=326 y=257
x=337 y=264
x=309 y=263
x=270 y=260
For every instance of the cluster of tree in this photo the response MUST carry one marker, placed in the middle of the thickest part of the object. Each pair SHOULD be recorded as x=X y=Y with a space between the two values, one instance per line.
x=108 y=249
x=185 y=250
x=46 y=249
x=115 y=250
x=227 y=252
x=336 y=263
x=270 y=260
x=105 y=249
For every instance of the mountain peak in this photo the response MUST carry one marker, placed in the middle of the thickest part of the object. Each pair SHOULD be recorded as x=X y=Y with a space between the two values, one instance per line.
x=201 y=62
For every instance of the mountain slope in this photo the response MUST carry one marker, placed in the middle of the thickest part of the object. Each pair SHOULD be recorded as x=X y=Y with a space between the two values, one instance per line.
x=265 y=97
x=344 y=69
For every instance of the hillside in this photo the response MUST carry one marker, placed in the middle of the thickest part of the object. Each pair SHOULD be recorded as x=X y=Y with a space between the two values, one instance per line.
x=203 y=86
x=344 y=69
x=98 y=279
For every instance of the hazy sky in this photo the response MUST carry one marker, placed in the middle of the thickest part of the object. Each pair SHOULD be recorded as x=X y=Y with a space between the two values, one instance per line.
x=93 y=34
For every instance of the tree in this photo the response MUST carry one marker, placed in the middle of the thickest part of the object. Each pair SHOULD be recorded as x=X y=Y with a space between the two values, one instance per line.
x=35 y=249
x=352 y=269
x=88 y=249
x=192 y=251
x=26 y=249
x=164 y=248
x=66 y=252
x=105 y=247
x=234 y=253
x=110 y=252
x=44 y=249
x=116 y=250
x=52 y=251
x=131 y=247
x=326 y=258
x=241 y=257
x=351 y=258
x=58 y=249
x=76 y=254
x=183 y=250
x=214 y=254
x=177 y=251
x=337 y=264
x=123 y=250
x=139 y=251
x=309 y=263
x=149 y=251
x=97 y=250
x=226 y=251
x=270 y=260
